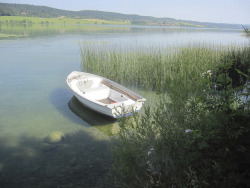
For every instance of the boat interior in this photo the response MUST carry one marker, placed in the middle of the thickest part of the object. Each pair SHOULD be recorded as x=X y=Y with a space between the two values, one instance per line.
x=95 y=88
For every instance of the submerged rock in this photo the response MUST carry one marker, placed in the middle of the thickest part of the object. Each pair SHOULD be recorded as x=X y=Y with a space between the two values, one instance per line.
x=55 y=137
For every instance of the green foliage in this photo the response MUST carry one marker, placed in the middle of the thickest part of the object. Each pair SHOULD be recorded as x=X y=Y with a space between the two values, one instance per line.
x=201 y=140
x=20 y=20
x=221 y=145
x=167 y=67
x=237 y=59
x=150 y=147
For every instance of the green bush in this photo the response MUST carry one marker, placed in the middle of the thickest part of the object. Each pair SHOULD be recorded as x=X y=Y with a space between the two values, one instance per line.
x=221 y=144
x=200 y=140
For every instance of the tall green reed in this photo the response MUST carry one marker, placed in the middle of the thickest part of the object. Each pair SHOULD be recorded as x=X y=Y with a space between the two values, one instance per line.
x=158 y=69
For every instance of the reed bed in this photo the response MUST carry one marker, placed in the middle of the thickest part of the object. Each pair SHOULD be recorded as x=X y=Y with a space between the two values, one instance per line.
x=175 y=70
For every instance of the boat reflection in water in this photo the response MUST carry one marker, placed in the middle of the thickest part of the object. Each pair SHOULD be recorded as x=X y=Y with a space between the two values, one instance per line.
x=105 y=124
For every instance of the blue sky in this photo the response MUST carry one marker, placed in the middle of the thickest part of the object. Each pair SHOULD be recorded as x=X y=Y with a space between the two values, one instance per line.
x=219 y=11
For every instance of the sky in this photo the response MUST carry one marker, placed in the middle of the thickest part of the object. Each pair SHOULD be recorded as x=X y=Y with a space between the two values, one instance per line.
x=217 y=11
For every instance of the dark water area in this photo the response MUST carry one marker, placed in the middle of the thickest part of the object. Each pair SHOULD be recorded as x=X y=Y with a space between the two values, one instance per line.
x=78 y=160
x=47 y=138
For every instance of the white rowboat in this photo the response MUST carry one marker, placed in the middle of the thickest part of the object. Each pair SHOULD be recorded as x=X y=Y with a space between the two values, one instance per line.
x=103 y=95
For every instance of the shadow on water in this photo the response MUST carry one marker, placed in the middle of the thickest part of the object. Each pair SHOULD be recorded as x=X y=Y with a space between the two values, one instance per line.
x=76 y=161
x=88 y=115
x=66 y=104
x=106 y=125
x=59 y=97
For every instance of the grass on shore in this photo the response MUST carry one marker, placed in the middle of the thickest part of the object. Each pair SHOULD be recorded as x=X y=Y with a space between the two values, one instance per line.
x=12 y=20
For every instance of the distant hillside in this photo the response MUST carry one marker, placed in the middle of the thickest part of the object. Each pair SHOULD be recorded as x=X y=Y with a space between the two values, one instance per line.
x=7 y=9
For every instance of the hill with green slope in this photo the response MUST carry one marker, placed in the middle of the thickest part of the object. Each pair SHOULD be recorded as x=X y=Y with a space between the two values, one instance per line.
x=7 y=9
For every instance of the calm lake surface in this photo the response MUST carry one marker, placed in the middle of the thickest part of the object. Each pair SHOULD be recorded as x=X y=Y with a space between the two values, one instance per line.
x=36 y=105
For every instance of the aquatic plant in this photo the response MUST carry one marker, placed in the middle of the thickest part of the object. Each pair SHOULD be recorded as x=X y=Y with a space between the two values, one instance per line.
x=176 y=71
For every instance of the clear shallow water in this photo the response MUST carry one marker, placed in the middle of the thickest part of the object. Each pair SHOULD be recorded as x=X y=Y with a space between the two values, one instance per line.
x=35 y=102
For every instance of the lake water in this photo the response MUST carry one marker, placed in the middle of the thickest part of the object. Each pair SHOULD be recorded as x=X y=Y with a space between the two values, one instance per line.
x=35 y=102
